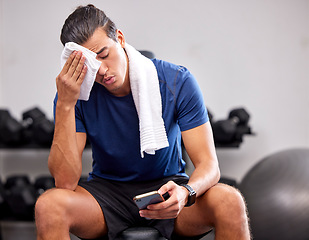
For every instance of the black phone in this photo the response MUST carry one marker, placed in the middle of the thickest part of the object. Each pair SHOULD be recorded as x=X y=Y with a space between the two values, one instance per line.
x=143 y=200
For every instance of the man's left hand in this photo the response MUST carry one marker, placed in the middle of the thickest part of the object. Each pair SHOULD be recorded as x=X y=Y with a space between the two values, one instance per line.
x=169 y=208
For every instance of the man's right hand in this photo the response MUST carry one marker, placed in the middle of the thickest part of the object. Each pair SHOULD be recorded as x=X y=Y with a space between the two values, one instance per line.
x=70 y=79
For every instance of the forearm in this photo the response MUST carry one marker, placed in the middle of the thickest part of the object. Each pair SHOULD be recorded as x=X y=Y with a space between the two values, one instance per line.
x=203 y=178
x=64 y=161
x=205 y=175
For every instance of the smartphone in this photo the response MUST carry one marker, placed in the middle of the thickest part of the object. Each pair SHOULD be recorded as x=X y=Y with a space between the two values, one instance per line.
x=143 y=200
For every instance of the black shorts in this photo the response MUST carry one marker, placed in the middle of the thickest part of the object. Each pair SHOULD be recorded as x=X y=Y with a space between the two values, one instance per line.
x=119 y=209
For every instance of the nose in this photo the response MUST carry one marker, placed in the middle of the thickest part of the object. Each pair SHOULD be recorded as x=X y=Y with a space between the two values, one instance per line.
x=103 y=69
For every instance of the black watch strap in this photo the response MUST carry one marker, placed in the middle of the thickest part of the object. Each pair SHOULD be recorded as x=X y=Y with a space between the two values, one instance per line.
x=192 y=195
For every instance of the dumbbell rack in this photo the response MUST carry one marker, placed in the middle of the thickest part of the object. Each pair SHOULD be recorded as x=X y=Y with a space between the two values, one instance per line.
x=22 y=159
x=28 y=159
x=26 y=156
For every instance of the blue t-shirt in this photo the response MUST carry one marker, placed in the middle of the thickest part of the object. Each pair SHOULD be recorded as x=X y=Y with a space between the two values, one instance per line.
x=112 y=127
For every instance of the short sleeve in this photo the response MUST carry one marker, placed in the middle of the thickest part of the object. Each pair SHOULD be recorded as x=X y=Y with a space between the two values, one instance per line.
x=80 y=126
x=190 y=106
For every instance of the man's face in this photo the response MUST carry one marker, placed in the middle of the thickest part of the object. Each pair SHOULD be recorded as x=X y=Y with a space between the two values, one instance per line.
x=113 y=72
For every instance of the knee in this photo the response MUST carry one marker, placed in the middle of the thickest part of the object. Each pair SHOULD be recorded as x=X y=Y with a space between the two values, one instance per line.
x=229 y=205
x=46 y=203
x=50 y=207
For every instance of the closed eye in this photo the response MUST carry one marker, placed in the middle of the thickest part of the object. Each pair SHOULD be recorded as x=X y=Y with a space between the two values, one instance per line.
x=104 y=56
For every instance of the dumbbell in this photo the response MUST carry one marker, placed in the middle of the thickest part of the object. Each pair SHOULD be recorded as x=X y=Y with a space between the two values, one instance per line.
x=21 y=196
x=4 y=209
x=10 y=129
x=37 y=127
x=233 y=128
x=44 y=183
x=243 y=122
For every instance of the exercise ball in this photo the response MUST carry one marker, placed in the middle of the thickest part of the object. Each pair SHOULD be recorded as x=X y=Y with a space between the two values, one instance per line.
x=276 y=190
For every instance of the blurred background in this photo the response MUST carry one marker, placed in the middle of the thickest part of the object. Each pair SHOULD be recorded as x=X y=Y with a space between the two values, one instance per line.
x=251 y=54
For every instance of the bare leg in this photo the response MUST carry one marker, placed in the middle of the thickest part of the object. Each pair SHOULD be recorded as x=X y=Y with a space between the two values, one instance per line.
x=222 y=207
x=59 y=212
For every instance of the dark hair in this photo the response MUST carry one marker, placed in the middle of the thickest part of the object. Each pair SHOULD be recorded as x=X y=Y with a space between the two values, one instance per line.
x=81 y=24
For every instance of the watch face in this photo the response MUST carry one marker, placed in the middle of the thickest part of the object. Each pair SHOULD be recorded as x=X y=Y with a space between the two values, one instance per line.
x=191 y=199
x=192 y=195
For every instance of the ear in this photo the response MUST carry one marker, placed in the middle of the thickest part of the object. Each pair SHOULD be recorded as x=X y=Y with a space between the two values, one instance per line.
x=120 y=38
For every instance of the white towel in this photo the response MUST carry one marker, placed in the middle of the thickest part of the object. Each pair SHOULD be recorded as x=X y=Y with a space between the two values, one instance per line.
x=147 y=98
x=91 y=62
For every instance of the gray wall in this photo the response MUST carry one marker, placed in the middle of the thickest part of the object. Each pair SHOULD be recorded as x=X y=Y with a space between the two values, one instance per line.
x=1 y=52
x=243 y=53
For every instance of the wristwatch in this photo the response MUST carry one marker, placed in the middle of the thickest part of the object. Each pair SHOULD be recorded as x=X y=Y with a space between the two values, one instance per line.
x=192 y=195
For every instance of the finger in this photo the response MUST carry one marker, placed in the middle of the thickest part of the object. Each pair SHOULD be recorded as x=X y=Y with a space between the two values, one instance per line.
x=74 y=63
x=157 y=206
x=79 y=68
x=68 y=63
x=159 y=214
x=82 y=75
x=168 y=187
x=164 y=205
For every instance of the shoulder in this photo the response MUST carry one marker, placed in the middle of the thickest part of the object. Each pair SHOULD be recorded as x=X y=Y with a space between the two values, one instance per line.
x=176 y=78
x=169 y=71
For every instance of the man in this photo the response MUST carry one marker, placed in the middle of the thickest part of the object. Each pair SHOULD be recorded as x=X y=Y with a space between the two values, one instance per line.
x=103 y=206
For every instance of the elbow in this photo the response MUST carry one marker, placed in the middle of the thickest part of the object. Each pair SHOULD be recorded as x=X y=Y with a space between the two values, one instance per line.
x=217 y=175
x=65 y=179
x=66 y=184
